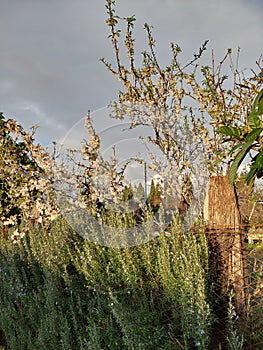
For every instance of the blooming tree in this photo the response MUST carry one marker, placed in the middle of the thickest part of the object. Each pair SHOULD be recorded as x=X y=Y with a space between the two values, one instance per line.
x=189 y=107
x=25 y=180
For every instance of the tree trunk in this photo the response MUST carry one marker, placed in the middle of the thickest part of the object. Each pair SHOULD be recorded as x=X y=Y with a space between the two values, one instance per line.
x=226 y=243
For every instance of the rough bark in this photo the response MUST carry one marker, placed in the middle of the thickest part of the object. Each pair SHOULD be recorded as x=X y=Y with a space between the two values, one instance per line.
x=226 y=243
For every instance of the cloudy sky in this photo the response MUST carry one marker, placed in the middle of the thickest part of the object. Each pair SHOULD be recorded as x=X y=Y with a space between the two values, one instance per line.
x=50 y=73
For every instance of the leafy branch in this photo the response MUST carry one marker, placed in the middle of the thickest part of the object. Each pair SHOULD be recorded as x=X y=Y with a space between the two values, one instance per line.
x=247 y=138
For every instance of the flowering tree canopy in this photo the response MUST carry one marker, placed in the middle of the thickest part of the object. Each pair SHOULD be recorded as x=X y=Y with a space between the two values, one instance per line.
x=191 y=108
x=25 y=179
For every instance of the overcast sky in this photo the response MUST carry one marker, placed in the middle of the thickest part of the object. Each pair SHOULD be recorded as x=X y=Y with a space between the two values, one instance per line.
x=50 y=73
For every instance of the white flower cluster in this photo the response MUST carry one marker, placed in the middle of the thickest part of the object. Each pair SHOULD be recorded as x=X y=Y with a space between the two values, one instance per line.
x=25 y=180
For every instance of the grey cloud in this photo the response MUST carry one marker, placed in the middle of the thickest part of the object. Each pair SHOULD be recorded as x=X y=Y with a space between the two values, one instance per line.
x=50 y=72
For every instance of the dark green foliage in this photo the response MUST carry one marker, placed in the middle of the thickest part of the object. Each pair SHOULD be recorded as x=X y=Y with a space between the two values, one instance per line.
x=154 y=198
x=127 y=194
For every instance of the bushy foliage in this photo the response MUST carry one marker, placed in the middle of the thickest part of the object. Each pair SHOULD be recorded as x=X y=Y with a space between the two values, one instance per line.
x=63 y=292
x=25 y=179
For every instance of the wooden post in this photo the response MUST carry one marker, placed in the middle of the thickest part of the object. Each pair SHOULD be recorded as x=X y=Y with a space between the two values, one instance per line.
x=226 y=243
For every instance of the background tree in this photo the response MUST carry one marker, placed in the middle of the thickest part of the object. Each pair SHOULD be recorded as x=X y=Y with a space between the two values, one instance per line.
x=154 y=198
x=127 y=194
x=139 y=192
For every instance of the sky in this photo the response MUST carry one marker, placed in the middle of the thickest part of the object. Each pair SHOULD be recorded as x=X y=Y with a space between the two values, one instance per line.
x=50 y=69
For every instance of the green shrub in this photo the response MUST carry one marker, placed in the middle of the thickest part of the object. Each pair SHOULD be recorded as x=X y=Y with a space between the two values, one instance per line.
x=59 y=291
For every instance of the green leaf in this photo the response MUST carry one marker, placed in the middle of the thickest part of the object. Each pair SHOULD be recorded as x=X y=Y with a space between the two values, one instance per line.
x=130 y=19
x=254 y=121
x=229 y=131
x=255 y=170
x=236 y=147
x=257 y=107
x=235 y=165
x=238 y=160
x=259 y=159
x=252 y=174
x=253 y=135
